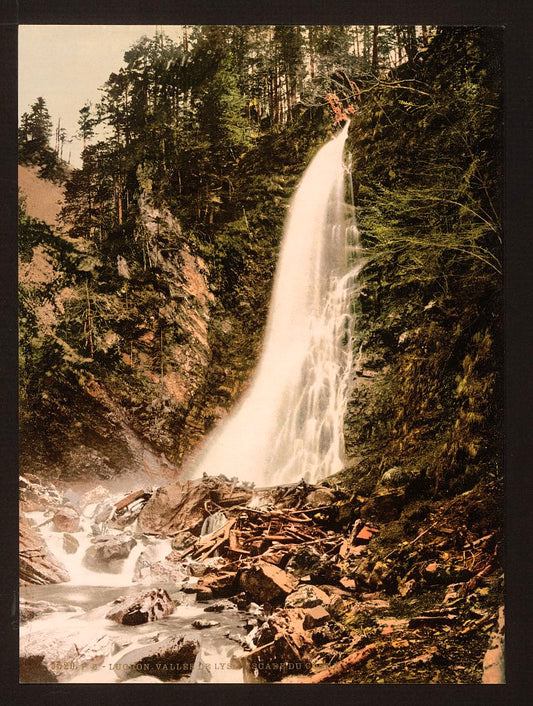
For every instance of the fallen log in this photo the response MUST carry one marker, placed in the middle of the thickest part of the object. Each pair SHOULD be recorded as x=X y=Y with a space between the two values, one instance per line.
x=131 y=498
x=345 y=665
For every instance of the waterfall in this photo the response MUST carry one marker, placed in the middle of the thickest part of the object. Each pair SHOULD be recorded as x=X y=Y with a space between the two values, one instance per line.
x=289 y=424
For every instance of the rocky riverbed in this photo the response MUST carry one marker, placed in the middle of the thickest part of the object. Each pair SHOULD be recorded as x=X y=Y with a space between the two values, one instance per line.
x=213 y=580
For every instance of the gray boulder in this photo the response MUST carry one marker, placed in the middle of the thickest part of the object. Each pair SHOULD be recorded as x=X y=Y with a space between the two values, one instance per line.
x=141 y=608
x=169 y=659
x=106 y=551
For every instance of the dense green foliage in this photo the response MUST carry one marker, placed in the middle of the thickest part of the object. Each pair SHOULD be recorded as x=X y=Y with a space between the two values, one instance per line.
x=427 y=149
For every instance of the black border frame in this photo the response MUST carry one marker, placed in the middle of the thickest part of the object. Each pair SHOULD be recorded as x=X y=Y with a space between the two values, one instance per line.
x=515 y=16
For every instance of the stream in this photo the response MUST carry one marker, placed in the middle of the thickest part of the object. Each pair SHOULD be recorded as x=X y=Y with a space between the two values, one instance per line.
x=88 y=597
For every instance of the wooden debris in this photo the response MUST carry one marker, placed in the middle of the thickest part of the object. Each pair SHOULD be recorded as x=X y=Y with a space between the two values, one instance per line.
x=345 y=665
x=131 y=498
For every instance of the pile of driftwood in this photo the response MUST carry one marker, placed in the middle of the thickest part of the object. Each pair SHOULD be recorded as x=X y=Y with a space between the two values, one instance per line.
x=266 y=533
x=264 y=548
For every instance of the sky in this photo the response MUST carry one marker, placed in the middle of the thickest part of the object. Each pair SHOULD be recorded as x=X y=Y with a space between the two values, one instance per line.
x=67 y=64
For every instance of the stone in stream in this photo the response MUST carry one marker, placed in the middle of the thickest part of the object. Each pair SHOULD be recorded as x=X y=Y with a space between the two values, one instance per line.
x=203 y=624
x=107 y=549
x=169 y=659
x=70 y=543
x=103 y=512
x=66 y=519
x=141 y=608
x=219 y=607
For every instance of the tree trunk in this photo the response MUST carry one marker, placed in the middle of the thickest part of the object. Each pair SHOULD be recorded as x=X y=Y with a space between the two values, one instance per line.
x=375 y=49
x=288 y=93
x=410 y=45
x=424 y=35
x=89 y=319
x=399 y=42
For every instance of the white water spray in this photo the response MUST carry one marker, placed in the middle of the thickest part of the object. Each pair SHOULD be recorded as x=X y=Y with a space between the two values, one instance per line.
x=289 y=424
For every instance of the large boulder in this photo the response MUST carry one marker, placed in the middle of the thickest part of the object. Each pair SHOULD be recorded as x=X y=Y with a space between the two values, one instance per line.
x=37 y=564
x=141 y=608
x=66 y=519
x=182 y=505
x=169 y=659
x=107 y=552
x=265 y=582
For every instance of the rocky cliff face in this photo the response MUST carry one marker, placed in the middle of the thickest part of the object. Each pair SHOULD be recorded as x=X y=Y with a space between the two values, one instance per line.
x=140 y=366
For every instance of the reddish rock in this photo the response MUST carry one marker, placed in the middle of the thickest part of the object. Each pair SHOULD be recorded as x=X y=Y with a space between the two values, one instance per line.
x=314 y=617
x=347 y=583
x=366 y=534
x=267 y=583
x=37 y=563
x=182 y=506
x=66 y=519
x=219 y=584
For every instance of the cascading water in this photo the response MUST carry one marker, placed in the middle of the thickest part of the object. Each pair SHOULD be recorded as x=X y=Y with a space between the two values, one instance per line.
x=289 y=424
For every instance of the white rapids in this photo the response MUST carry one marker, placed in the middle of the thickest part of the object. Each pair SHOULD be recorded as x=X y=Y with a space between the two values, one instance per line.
x=289 y=424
